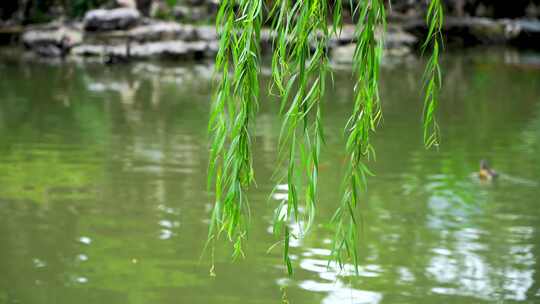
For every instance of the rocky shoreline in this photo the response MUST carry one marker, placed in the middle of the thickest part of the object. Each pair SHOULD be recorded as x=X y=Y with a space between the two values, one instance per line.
x=124 y=34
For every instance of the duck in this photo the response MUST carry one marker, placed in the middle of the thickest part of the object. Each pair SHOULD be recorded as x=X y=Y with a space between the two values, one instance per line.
x=486 y=173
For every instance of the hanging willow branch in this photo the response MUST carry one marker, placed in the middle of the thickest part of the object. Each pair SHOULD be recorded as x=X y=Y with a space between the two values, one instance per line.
x=432 y=75
x=235 y=105
x=363 y=121
x=300 y=67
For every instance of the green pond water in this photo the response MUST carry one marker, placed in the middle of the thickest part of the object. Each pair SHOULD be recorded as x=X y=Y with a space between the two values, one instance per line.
x=103 y=189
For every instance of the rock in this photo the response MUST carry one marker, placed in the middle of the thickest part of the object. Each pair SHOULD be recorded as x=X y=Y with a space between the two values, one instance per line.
x=52 y=35
x=115 y=19
x=97 y=50
x=267 y=37
x=161 y=31
x=346 y=35
x=52 y=40
x=151 y=50
x=524 y=32
x=206 y=32
x=396 y=43
x=213 y=48
x=396 y=38
x=474 y=31
x=465 y=31
x=343 y=53
x=170 y=49
x=156 y=31
x=474 y=8
x=477 y=30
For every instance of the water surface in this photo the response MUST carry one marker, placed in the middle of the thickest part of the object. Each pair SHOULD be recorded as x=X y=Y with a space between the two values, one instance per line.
x=103 y=196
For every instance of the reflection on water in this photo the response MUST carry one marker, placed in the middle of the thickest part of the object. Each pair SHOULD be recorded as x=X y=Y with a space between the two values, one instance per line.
x=330 y=279
x=103 y=190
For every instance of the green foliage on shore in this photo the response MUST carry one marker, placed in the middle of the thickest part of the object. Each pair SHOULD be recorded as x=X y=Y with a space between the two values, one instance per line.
x=77 y=8
x=48 y=10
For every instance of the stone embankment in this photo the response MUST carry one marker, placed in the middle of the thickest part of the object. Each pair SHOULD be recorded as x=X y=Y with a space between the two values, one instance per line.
x=121 y=34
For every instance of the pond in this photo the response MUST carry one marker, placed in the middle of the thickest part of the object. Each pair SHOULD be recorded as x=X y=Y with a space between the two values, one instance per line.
x=103 y=194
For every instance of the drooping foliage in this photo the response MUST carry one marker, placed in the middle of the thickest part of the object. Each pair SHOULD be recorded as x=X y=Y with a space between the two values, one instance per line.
x=235 y=105
x=300 y=76
x=433 y=79
x=363 y=121
x=300 y=72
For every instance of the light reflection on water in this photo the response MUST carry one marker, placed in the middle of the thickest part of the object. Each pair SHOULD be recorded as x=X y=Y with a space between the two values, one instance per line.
x=315 y=260
x=103 y=192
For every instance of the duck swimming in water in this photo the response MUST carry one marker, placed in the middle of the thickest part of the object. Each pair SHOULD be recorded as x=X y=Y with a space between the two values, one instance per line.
x=486 y=173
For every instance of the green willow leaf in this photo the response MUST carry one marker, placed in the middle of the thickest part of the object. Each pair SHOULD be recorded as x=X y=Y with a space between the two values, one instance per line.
x=432 y=74
x=300 y=68
x=365 y=117
x=234 y=107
